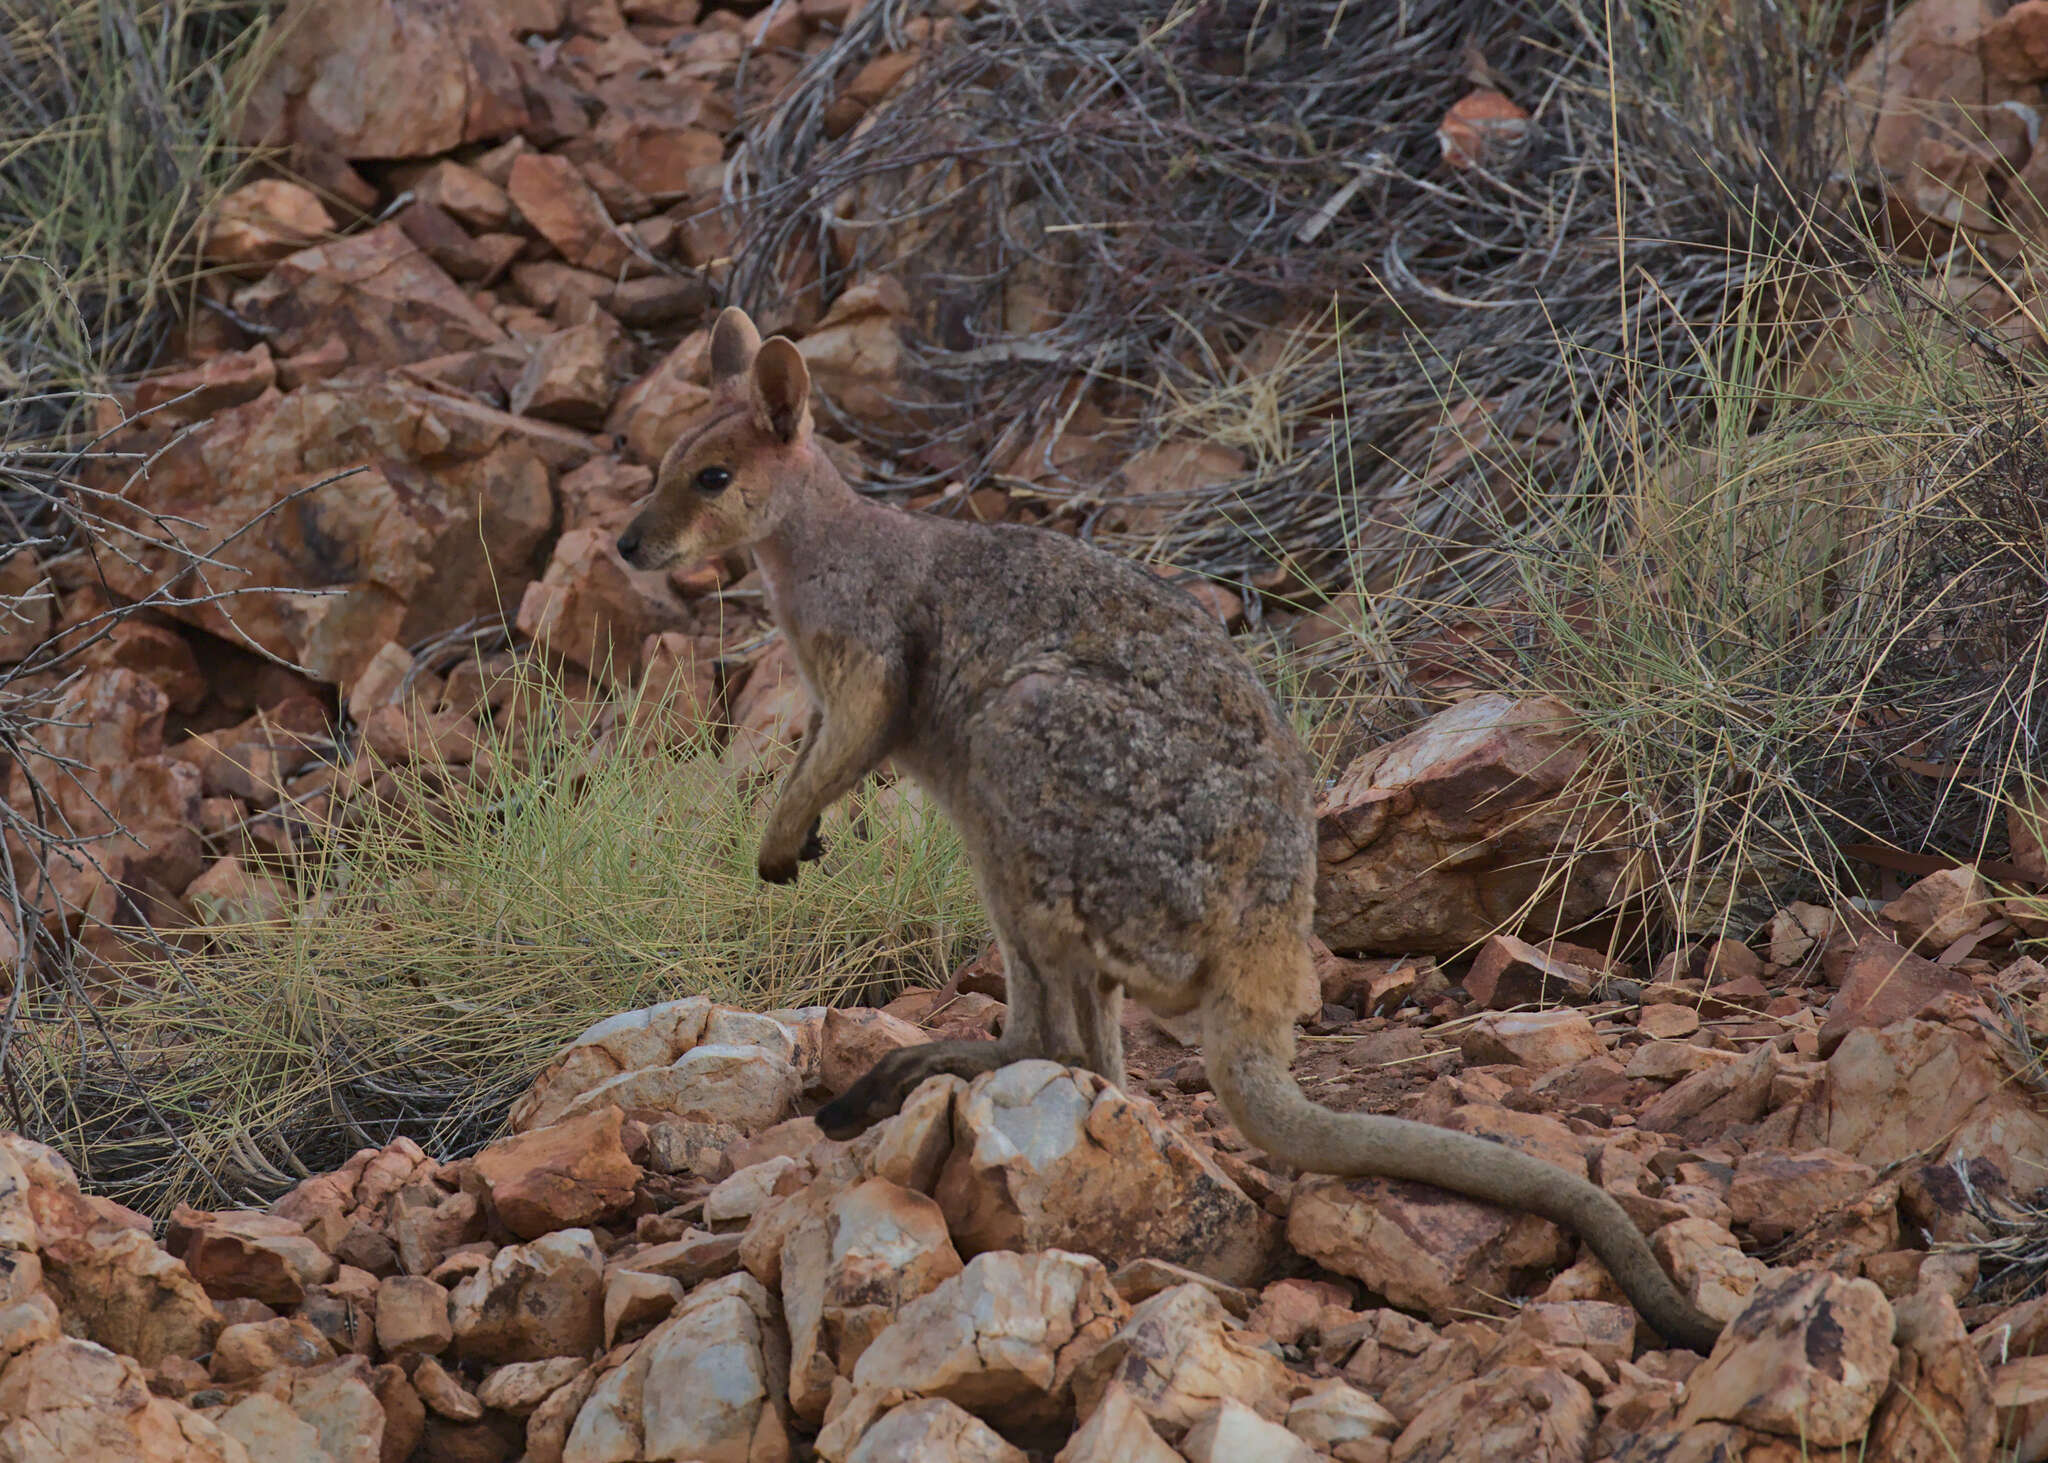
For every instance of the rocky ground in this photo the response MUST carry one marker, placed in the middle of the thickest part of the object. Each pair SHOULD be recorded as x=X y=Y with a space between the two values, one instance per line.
x=491 y=303
x=665 y=1259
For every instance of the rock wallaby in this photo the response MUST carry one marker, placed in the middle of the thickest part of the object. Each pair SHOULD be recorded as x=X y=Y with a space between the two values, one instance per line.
x=1138 y=813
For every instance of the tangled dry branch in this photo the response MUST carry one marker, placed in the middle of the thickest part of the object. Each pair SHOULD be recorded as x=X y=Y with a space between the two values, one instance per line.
x=1232 y=220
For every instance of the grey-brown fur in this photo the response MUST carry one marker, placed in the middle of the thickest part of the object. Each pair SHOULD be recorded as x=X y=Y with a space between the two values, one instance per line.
x=1137 y=812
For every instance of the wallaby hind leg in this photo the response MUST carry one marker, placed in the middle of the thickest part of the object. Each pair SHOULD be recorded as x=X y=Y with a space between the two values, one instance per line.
x=880 y=1093
x=1103 y=1033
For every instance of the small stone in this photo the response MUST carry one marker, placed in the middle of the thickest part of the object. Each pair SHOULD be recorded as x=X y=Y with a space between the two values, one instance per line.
x=261 y=222
x=1941 y=908
x=1333 y=1412
x=443 y=1394
x=533 y=1301
x=1666 y=1022
x=1116 y=1431
x=1419 y=1246
x=1050 y=1157
x=1178 y=1356
x=521 y=1386
x=1233 y=1433
x=1507 y=1412
x=1003 y=1338
x=565 y=1176
x=1538 y=1040
x=635 y=1302
x=1510 y=972
x=412 y=1315
x=1882 y=982
x=255 y=1347
x=1709 y=1266
x=1777 y=1193
x=932 y=1430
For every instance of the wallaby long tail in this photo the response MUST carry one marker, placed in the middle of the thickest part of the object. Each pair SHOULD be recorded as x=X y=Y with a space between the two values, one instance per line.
x=1250 y=1069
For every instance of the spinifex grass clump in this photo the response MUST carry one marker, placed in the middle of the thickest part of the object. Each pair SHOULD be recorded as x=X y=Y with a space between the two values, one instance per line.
x=440 y=946
x=1809 y=630
x=115 y=136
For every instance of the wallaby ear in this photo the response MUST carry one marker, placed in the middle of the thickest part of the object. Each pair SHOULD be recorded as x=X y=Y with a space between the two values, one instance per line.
x=733 y=343
x=782 y=388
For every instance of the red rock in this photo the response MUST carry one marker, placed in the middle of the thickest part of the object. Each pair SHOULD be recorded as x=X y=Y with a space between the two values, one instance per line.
x=1808 y=1358
x=376 y=292
x=1483 y=128
x=855 y=1038
x=479 y=261
x=157 y=653
x=1941 y=908
x=1666 y=1022
x=412 y=1316
x=1496 y=776
x=1509 y=1412
x=593 y=609
x=1709 y=1102
x=1933 y=1088
x=390 y=79
x=69 y=1399
x=443 y=1394
x=1776 y=1193
x=1882 y=982
x=1932 y=117
x=465 y=195
x=254 y=1347
x=441 y=527
x=1796 y=930
x=109 y=724
x=410 y=733
x=670 y=399
x=1511 y=972
x=1418 y=1246
x=855 y=351
x=659 y=157
x=115 y=1286
x=2026 y=816
x=553 y=197
x=533 y=1302
x=248 y=1253
x=261 y=222
x=2015 y=46
x=1177 y=1356
x=1288 y=1310
x=1050 y=1157
x=1538 y=1040
x=219 y=382
x=427 y=1224
x=574 y=374
x=572 y=1174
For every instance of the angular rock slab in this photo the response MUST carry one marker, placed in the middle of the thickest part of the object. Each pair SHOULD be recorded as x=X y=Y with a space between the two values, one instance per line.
x=703 y=1386
x=1434 y=842
x=1420 y=1247
x=1048 y=1157
x=1808 y=1358
x=1178 y=1357
x=1002 y=1339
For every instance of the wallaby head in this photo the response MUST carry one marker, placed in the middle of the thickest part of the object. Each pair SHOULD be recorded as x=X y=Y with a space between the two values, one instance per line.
x=731 y=482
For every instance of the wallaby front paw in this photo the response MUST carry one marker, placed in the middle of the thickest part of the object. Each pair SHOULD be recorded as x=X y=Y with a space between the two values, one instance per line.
x=814 y=846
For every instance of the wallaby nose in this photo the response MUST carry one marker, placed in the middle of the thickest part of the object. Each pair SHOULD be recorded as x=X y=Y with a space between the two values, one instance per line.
x=629 y=541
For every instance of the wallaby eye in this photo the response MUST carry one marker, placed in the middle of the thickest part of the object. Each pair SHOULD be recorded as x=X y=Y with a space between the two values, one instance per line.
x=712 y=479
